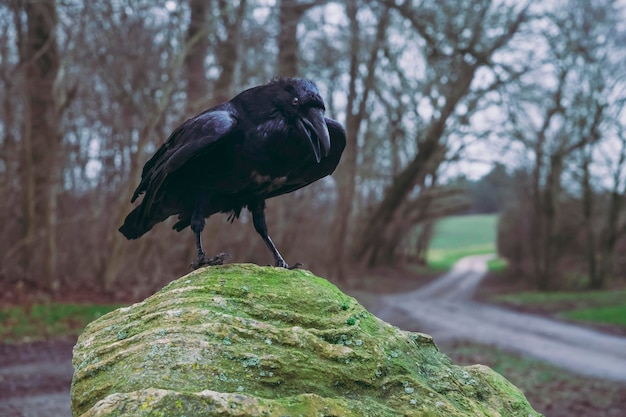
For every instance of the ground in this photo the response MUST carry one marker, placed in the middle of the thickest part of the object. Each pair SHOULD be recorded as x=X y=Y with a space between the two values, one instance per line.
x=36 y=376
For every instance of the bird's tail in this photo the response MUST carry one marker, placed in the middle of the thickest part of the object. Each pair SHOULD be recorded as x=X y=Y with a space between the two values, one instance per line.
x=137 y=223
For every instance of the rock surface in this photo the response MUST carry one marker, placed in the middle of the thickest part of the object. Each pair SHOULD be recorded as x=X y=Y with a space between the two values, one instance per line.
x=243 y=340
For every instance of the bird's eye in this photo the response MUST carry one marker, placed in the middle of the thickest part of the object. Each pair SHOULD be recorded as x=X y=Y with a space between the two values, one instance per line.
x=295 y=101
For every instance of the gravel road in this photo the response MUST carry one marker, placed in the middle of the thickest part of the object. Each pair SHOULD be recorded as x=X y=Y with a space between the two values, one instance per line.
x=35 y=379
x=444 y=310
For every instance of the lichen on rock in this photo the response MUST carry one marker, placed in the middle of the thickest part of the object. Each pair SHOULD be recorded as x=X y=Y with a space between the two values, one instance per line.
x=244 y=340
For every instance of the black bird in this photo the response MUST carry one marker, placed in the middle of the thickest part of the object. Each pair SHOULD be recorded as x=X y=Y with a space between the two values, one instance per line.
x=268 y=140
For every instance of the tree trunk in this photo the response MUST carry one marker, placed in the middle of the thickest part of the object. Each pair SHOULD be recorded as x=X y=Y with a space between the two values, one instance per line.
x=198 y=43
x=544 y=198
x=587 y=205
x=227 y=52
x=41 y=141
x=536 y=219
x=551 y=210
x=432 y=203
x=347 y=170
x=423 y=241
x=611 y=230
x=608 y=239
x=289 y=14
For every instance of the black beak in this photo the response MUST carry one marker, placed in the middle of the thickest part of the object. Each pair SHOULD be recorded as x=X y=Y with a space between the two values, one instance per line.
x=317 y=132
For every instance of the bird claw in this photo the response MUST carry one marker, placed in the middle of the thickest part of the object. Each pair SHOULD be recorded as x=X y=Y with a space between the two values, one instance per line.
x=283 y=264
x=203 y=261
x=297 y=265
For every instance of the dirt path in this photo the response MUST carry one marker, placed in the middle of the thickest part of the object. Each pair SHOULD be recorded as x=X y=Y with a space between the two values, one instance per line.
x=35 y=379
x=444 y=309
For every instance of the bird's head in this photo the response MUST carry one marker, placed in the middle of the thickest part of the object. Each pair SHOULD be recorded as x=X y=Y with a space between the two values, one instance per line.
x=300 y=101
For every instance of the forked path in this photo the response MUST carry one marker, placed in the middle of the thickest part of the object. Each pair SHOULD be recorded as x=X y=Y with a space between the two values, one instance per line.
x=444 y=309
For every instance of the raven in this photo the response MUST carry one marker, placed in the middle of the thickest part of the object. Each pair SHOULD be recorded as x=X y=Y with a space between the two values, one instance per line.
x=266 y=141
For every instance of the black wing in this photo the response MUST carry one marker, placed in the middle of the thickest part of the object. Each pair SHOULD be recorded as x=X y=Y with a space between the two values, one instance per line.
x=190 y=140
x=316 y=171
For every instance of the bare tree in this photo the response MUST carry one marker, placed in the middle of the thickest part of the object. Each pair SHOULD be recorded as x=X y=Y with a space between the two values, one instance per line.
x=602 y=210
x=560 y=122
x=355 y=115
x=454 y=47
x=289 y=15
x=227 y=49
x=214 y=28
x=11 y=199
x=198 y=40
x=40 y=138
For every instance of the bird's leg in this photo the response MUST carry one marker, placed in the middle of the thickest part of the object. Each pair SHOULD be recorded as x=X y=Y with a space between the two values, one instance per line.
x=197 y=225
x=258 y=218
x=202 y=259
x=199 y=247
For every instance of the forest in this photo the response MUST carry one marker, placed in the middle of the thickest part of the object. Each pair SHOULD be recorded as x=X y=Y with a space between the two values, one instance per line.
x=450 y=106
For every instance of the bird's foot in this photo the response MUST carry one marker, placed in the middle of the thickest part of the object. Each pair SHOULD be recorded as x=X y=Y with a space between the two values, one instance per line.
x=203 y=261
x=283 y=264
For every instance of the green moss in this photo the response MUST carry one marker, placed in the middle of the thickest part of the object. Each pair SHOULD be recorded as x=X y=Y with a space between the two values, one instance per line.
x=248 y=340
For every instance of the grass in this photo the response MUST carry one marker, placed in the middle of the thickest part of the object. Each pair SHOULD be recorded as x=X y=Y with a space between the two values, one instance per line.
x=458 y=236
x=42 y=321
x=461 y=232
x=497 y=264
x=603 y=307
x=543 y=298
x=607 y=315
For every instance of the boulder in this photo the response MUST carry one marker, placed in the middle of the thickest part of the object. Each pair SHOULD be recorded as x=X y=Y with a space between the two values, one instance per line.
x=244 y=340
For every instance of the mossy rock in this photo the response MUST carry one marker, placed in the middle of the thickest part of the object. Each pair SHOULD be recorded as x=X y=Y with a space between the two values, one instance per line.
x=244 y=340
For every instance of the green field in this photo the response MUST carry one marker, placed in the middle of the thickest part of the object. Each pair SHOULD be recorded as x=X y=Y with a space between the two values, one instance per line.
x=42 y=321
x=605 y=307
x=458 y=236
x=606 y=314
x=549 y=300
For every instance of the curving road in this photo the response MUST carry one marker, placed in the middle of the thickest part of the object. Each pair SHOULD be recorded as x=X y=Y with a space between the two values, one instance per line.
x=444 y=309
